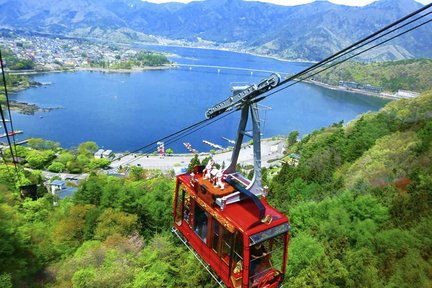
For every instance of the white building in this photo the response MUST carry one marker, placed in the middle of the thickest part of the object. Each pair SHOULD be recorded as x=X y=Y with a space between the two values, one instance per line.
x=99 y=153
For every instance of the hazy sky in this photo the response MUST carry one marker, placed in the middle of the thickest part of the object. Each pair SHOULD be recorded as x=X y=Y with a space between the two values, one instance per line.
x=296 y=2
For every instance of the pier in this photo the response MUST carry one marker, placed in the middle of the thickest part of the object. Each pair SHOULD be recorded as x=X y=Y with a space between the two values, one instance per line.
x=13 y=133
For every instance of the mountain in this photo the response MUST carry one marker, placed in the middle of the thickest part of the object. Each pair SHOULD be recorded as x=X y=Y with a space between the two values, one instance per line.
x=311 y=31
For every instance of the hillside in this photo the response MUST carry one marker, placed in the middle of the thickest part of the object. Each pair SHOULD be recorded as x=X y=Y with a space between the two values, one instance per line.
x=413 y=75
x=359 y=203
x=309 y=32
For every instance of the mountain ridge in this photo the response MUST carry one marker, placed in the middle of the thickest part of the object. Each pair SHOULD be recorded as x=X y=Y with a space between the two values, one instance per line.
x=309 y=31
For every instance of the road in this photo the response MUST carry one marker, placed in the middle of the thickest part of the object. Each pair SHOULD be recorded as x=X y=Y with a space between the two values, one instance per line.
x=271 y=151
x=79 y=177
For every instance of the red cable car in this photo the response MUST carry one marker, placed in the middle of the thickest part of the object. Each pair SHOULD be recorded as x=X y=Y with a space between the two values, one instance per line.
x=225 y=219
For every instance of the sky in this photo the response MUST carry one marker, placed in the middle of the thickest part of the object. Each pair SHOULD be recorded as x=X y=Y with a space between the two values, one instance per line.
x=297 y=2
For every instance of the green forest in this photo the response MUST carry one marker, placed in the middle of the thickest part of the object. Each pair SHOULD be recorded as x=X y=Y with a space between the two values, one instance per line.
x=359 y=203
x=412 y=74
x=14 y=63
x=141 y=60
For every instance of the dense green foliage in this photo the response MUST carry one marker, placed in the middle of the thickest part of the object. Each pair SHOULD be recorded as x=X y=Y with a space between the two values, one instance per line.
x=412 y=75
x=45 y=154
x=13 y=83
x=360 y=199
x=359 y=202
x=140 y=60
x=113 y=233
x=14 y=63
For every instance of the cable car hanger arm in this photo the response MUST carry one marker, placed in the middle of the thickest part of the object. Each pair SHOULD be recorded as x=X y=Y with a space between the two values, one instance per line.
x=246 y=101
x=248 y=95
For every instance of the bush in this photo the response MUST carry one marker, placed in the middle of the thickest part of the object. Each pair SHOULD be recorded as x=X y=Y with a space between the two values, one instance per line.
x=56 y=167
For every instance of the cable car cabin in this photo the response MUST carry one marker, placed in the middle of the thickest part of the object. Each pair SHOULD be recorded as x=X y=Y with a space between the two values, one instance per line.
x=245 y=244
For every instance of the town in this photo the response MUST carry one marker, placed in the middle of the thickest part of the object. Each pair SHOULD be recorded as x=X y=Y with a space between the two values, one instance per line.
x=53 y=53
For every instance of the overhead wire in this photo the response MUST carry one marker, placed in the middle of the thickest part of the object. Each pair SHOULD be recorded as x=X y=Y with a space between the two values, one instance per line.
x=162 y=139
x=357 y=45
x=7 y=99
x=5 y=163
x=323 y=63
x=342 y=61
x=14 y=158
x=352 y=47
x=179 y=136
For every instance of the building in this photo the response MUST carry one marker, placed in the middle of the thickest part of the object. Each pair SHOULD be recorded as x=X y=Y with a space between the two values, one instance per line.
x=60 y=189
x=406 y=94
x=99 y=153
x=107 y=154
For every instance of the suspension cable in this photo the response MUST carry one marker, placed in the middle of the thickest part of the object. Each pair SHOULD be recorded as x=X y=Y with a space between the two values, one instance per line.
x=342 y=61
x=323 y=63
x=357 y=45
x=14 y=158
x=163 y=138
x=332 y=57
x=7 y=99
x=179 y=136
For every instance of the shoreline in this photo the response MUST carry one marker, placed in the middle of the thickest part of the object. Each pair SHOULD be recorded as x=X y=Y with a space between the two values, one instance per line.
x=356 y=91
x=230 y=50
x=28 y=108
x=91 y=69
x=132 y=70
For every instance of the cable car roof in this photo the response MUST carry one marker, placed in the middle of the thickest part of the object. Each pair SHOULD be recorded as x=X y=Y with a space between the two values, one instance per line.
x=243 y=215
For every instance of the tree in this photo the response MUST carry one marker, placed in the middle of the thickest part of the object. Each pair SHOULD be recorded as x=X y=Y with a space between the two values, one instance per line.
x=74 y=167
x=70 y=229
x=38 y=159
x=42 y=144
x=99 y=163
x=136 y=173
x=292 y=138
x=87 y=148
x=194 y=162
x=65 y=157
x=6 y=280
x=56 y=167
x=110 y=222
x=169 y=151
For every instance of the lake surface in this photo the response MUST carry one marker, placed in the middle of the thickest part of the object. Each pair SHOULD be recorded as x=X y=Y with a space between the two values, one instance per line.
x=125 y=111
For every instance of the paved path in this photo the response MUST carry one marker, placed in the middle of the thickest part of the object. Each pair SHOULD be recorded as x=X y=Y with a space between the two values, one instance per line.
x=270 y=150
x=49 y=175
x=271 y=153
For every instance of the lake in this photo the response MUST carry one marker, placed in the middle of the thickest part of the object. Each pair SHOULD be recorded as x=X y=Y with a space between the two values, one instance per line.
x=125 y=111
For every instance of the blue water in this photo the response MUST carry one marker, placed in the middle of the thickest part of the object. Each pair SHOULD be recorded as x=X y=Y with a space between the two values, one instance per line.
x=125 y=111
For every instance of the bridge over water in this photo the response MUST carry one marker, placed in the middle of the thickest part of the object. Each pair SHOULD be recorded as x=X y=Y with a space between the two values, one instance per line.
x=220 y=68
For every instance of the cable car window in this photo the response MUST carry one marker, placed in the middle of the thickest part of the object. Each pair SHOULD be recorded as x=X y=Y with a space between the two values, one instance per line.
x=237 y=261
x=216 y=236
x=270 y=233
x=266 y=257
x=179 y=208
x=238 y=249
x=200 y=222
x=187 y=208
x=226 y=245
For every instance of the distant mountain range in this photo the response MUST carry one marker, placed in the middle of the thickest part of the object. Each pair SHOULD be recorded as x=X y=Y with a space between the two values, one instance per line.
x=310 y=32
